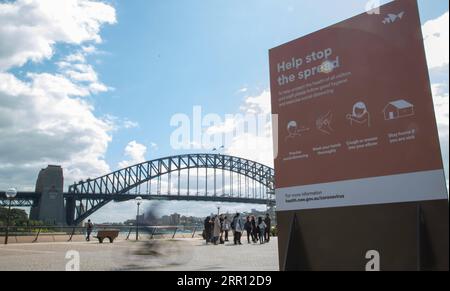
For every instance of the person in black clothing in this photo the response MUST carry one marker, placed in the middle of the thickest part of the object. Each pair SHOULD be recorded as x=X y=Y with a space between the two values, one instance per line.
x=211 y=228
x=267 y=221
x=89 y=228
x=248 y=229
x=208 y=233
x=254 y=230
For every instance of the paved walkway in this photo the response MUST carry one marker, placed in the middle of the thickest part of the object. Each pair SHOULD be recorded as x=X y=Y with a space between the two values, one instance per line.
x=179 y=254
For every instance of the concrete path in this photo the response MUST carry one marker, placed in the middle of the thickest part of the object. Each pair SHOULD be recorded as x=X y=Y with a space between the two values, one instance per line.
x=179 y=254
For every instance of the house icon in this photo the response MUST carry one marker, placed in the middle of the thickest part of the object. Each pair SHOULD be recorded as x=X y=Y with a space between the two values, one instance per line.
x=398 y=109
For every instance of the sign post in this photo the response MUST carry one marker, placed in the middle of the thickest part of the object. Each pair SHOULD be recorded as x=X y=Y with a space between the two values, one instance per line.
x=358 y=147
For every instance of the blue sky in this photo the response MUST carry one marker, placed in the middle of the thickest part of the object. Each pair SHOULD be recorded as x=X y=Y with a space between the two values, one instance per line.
x=159 y=58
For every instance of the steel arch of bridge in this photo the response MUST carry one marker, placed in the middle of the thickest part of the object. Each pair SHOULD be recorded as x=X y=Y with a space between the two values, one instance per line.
x=93 y=194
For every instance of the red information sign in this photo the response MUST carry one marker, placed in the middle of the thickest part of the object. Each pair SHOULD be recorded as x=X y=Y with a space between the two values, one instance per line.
x=356 y=123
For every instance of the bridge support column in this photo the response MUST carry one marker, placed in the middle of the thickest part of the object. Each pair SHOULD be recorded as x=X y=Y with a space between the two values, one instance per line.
x=70 y=210
x=50 y=208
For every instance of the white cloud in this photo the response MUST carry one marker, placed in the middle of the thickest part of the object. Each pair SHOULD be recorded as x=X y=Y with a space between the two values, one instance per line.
x=228 y=126
x=75 y=67
x=154 y=146
x=121 y=123
x=259 y=104
x=436 y=38
x=135 y=152
x=90 y=49
x=55 y=84
x=242 y=90
x=250 y=130
x=29 y=29
x=44 y=118
x=96 y=88
x=130 y=124
x=262 y=143
x=76 y=57
x=42 y=122
x=257 y=146
x=441 y=107
x=83 y=73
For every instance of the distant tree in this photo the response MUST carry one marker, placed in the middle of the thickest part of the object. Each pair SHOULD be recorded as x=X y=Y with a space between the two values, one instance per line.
x=18 y=216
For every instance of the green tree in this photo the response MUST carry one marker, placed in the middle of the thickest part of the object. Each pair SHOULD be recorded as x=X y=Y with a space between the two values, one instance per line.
x=18 y=216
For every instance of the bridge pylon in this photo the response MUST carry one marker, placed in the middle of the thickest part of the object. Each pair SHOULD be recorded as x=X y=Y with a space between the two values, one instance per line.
x=50 y=207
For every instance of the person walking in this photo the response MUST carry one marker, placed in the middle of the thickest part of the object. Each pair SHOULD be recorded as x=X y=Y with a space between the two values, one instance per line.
x=262 y=229
x=248 y=229
x=237 y=227
x=222 y=241
x=89 y=227
x=226 y=227
x=211 y=227
x=268 y=223
x=207 y=230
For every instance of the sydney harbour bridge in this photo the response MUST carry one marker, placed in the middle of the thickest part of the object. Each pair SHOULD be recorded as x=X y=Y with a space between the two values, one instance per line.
x=190 y=177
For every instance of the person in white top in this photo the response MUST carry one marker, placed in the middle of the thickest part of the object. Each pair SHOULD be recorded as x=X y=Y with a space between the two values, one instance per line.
x=226 y=227
x=237 y=227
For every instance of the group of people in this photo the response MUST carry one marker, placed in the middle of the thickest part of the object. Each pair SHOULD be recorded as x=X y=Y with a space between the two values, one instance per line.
x=217 y=228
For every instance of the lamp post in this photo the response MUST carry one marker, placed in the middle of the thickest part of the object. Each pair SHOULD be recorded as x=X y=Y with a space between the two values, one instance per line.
x=10 y=195
x=138 y=202
x=218 y=210
x=218 y=149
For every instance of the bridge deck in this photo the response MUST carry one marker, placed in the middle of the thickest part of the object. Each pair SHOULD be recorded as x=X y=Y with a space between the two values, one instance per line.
x=27 y=198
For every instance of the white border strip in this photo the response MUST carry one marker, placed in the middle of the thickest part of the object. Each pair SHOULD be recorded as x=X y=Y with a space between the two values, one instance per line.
x=418 y=186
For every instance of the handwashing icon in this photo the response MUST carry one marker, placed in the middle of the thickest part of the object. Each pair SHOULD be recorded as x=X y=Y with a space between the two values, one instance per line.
x=323 y=123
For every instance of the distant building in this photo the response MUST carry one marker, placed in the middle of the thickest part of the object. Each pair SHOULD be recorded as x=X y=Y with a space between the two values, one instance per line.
x=165 y=220
x=187 y=220
x=175 y=219
x=141 y=218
